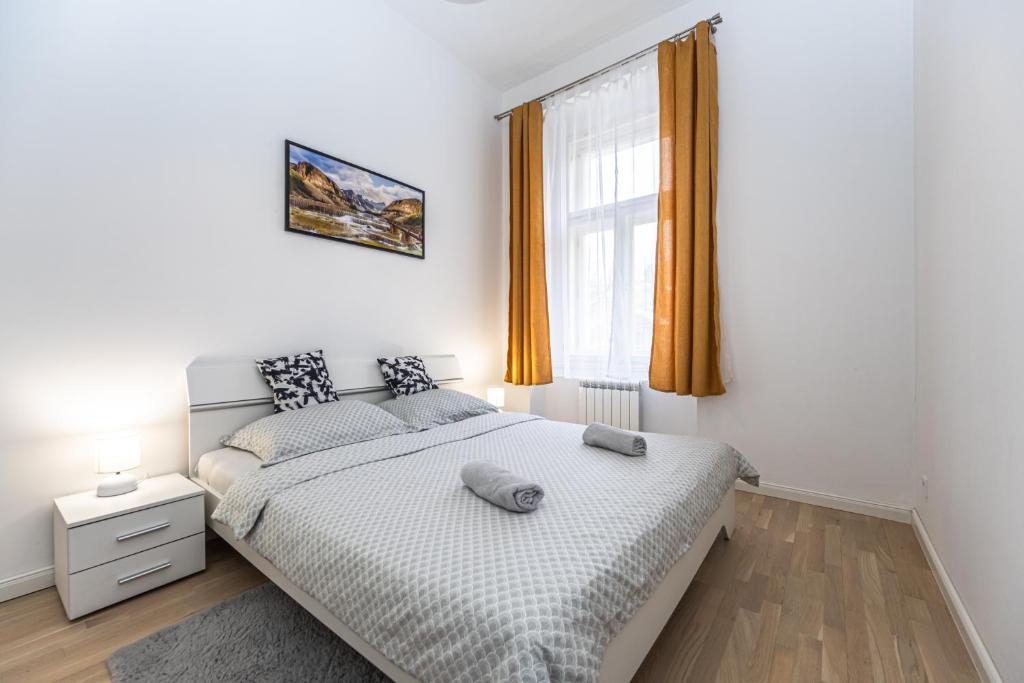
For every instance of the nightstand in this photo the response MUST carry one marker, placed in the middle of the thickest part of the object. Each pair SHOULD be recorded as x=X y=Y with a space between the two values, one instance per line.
x=110 y=549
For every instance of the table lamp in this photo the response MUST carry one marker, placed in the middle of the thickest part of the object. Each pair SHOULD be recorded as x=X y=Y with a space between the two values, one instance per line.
x=114 y=455
x=496 y=397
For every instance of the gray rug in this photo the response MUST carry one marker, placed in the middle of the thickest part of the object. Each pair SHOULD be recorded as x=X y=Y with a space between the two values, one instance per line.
x=261 y=635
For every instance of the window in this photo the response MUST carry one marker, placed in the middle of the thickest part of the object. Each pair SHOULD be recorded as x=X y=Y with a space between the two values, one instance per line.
x=601 y=207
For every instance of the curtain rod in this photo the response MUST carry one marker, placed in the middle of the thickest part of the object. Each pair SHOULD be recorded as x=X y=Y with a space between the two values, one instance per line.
x=714 y=21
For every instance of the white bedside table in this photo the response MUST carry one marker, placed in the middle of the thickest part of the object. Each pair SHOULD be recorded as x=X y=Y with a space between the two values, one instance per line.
x=109 y=549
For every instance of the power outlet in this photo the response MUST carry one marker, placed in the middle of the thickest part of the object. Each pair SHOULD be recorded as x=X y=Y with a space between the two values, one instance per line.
x=924 y=485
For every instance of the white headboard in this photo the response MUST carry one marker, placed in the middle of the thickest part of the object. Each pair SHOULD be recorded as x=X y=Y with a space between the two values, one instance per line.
x=225 y=394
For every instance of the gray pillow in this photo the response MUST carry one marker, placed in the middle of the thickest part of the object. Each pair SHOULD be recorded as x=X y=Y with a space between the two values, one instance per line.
x=434 y=407
x=292 y=433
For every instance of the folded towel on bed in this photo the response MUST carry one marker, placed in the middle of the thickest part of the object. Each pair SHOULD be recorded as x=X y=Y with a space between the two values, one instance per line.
x=614 y=439
x=501 y=487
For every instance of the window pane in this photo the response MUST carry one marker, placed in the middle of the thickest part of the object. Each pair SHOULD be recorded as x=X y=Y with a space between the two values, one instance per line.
x=645 y=238
x=613 y=175
x=593 y=295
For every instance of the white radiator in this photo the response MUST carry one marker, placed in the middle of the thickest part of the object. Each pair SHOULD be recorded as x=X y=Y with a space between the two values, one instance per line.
x=613 y=403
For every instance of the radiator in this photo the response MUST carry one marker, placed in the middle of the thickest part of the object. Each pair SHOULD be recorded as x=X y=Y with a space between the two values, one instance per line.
x=613 y=403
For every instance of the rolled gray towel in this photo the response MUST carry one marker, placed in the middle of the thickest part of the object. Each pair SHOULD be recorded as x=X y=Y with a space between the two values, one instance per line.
x=614 y=439
x=501 y=487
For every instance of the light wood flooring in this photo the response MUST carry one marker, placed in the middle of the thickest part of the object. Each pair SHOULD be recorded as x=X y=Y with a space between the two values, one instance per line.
x=805 y=593
x=801 y=593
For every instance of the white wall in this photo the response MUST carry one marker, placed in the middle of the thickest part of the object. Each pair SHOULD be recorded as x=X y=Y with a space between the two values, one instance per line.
x=141 y=216
x=970 y=337
x=815 y=219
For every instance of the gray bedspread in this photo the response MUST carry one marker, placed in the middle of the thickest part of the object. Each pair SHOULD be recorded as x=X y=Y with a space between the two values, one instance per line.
x=451 y=589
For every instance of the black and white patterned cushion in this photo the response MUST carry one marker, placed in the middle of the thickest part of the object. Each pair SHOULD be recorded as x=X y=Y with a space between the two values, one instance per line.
x=405 y=375
x=298 y=381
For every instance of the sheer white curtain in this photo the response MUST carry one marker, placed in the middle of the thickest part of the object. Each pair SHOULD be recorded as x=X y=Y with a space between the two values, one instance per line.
x=600 y=222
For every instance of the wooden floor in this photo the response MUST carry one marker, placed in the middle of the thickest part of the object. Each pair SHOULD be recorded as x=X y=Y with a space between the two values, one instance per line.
x=805 y=593
x=800 y=593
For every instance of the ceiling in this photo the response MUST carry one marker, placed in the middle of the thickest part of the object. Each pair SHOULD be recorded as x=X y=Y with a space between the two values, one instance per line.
x=511 y=41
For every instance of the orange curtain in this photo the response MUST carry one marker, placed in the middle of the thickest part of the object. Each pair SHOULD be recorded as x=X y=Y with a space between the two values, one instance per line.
x=529 y=346
x=685 y=346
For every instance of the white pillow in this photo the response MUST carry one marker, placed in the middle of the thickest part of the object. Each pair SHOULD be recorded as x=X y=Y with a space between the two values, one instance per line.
x=292 y=433
x=434 y=407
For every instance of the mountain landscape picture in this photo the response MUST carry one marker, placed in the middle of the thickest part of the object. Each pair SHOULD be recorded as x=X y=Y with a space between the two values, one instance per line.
x=332 y=198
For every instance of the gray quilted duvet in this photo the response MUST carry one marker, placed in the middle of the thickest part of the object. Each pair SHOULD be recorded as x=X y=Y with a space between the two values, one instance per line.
x=453 y=589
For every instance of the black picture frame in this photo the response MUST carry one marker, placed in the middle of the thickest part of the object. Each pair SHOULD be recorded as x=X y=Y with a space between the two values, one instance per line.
x=317 y=204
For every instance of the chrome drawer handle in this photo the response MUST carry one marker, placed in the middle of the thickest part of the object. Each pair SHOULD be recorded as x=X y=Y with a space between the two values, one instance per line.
x=143 y=532
x=144 y=572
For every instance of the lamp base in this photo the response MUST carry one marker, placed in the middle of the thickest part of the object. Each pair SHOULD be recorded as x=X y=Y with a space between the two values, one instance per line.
x=117 y=484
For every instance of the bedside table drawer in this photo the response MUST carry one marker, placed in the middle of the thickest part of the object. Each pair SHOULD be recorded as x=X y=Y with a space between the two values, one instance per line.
x=115 y=581
x=94 y=544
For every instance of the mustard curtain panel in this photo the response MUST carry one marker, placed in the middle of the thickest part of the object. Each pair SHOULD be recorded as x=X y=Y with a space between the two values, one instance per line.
x=529 y=346
x=685 y=345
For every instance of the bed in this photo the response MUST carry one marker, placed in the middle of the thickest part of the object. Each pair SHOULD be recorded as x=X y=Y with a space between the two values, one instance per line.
x=380 y=542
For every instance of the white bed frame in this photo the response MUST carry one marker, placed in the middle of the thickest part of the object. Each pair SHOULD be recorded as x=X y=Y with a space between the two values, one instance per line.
x=225 y=394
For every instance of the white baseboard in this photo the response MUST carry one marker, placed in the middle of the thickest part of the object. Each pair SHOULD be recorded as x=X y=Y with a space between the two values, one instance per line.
x=26 y=583
x=828 y=500
x=972 y=639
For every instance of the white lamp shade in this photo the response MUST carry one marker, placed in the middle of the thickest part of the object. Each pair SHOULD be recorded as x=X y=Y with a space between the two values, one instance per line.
x=496 y=396
x=118 y=453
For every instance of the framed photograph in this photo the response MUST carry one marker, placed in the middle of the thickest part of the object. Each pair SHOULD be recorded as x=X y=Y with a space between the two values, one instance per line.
x=328 y=197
